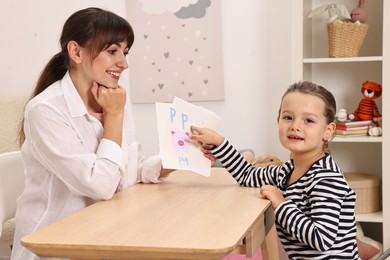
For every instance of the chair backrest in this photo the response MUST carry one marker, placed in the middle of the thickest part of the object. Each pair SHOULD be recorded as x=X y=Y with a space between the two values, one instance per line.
x=11 y=183
x=11 y=114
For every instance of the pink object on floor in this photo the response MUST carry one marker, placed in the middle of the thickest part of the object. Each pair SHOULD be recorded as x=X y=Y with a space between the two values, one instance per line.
x=257 y=255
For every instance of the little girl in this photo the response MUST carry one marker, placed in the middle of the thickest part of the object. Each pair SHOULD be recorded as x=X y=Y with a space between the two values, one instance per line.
x=314 y=206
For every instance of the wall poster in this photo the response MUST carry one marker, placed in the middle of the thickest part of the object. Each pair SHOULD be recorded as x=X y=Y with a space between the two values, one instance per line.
x=177 y=50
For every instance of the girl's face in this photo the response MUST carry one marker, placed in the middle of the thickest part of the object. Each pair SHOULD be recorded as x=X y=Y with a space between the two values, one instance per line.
x=302 y=124
x=107 y=67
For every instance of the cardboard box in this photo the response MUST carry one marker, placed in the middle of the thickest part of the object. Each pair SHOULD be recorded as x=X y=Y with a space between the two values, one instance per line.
x=368 y=191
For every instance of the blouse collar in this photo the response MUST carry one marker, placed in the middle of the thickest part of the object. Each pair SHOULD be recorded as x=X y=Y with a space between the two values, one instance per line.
x=73 y=100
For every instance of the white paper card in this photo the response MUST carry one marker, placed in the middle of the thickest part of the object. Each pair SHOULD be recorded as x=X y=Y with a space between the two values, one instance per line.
x=177 y=151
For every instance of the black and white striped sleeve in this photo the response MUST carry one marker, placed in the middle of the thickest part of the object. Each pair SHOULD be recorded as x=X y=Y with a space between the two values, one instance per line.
x=244 y=172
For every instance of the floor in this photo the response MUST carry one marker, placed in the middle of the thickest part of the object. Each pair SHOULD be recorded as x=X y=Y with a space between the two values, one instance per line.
x=257 y=256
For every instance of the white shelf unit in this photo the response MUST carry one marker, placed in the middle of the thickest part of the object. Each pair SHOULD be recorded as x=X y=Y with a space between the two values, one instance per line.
x=358 y=139
x=344 y=76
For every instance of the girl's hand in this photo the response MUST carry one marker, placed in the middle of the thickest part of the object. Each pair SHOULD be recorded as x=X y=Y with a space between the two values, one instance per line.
x=112 y=100
x=207 y=153
x=273 y=194
x=205 y=136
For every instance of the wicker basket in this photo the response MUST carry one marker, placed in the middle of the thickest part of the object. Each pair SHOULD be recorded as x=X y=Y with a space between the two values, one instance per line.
x=345 y=39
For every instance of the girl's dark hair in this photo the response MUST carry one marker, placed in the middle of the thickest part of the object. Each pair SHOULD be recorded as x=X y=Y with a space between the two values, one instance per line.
x=309 y=88
x=92 y=28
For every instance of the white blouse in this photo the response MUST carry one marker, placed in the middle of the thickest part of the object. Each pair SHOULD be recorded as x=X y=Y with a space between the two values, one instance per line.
x=68 y=165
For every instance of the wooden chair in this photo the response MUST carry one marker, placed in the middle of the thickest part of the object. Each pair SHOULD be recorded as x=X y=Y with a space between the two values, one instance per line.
x=385 y=255
x=11 y=114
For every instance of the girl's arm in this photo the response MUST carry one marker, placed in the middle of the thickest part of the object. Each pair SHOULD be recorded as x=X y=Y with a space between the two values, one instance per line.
x=244 y=172
x=330 y=206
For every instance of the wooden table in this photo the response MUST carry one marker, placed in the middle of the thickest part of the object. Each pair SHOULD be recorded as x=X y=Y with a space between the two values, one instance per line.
x=188 y=216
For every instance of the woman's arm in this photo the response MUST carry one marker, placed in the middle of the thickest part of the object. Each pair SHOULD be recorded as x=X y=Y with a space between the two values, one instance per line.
x=112 y=101
x=165 y=172
x=63 y=149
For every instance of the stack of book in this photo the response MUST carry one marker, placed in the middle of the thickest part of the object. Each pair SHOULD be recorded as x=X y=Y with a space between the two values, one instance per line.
x=353 y=128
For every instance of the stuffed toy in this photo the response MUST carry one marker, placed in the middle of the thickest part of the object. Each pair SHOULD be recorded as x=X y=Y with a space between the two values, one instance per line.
x=359 y=13
x=367 y=109
x=248 y=155
x=342 y=115
x=261 y=161
x=266 y=160
x=335 y=12
x=375 y=131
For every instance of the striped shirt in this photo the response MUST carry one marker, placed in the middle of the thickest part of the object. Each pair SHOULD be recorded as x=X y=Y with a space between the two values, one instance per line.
x=317 y=219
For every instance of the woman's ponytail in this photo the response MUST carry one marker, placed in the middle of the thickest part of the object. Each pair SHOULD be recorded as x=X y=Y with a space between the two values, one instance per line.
x=54 y=70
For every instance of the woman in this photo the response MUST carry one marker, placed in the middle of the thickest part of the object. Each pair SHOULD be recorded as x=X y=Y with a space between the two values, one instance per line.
x=77 y=138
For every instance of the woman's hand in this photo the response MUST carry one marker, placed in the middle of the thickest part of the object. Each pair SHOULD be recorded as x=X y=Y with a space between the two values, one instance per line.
x=165 y=172
x=112 y=100
x=273 y=194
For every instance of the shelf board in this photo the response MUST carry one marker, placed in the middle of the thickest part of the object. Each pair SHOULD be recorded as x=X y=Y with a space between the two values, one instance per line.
x=336 y=60
x=376 y=217
x=355 y=139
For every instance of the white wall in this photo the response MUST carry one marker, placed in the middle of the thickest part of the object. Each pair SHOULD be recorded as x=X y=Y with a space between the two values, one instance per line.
x=256 y=46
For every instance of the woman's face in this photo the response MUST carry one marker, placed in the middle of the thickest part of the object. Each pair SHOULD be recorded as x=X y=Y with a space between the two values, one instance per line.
x=106 y=68
x=302 y=124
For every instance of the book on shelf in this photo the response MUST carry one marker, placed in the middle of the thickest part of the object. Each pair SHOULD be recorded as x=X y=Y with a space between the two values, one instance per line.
x=351 y=135
x=343 y=127
x=350 y=123
x=353 y=132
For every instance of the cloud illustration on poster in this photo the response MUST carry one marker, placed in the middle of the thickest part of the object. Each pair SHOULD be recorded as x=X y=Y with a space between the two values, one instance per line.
x=197 y=10
x=162 y=6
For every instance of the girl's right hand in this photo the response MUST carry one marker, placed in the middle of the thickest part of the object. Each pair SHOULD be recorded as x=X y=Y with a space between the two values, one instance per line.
x=206 y=136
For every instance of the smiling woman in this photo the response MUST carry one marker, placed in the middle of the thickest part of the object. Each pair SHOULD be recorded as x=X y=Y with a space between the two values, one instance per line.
x=77 y=137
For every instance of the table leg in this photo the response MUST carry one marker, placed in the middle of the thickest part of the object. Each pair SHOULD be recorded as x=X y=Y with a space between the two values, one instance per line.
x=269 y=247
